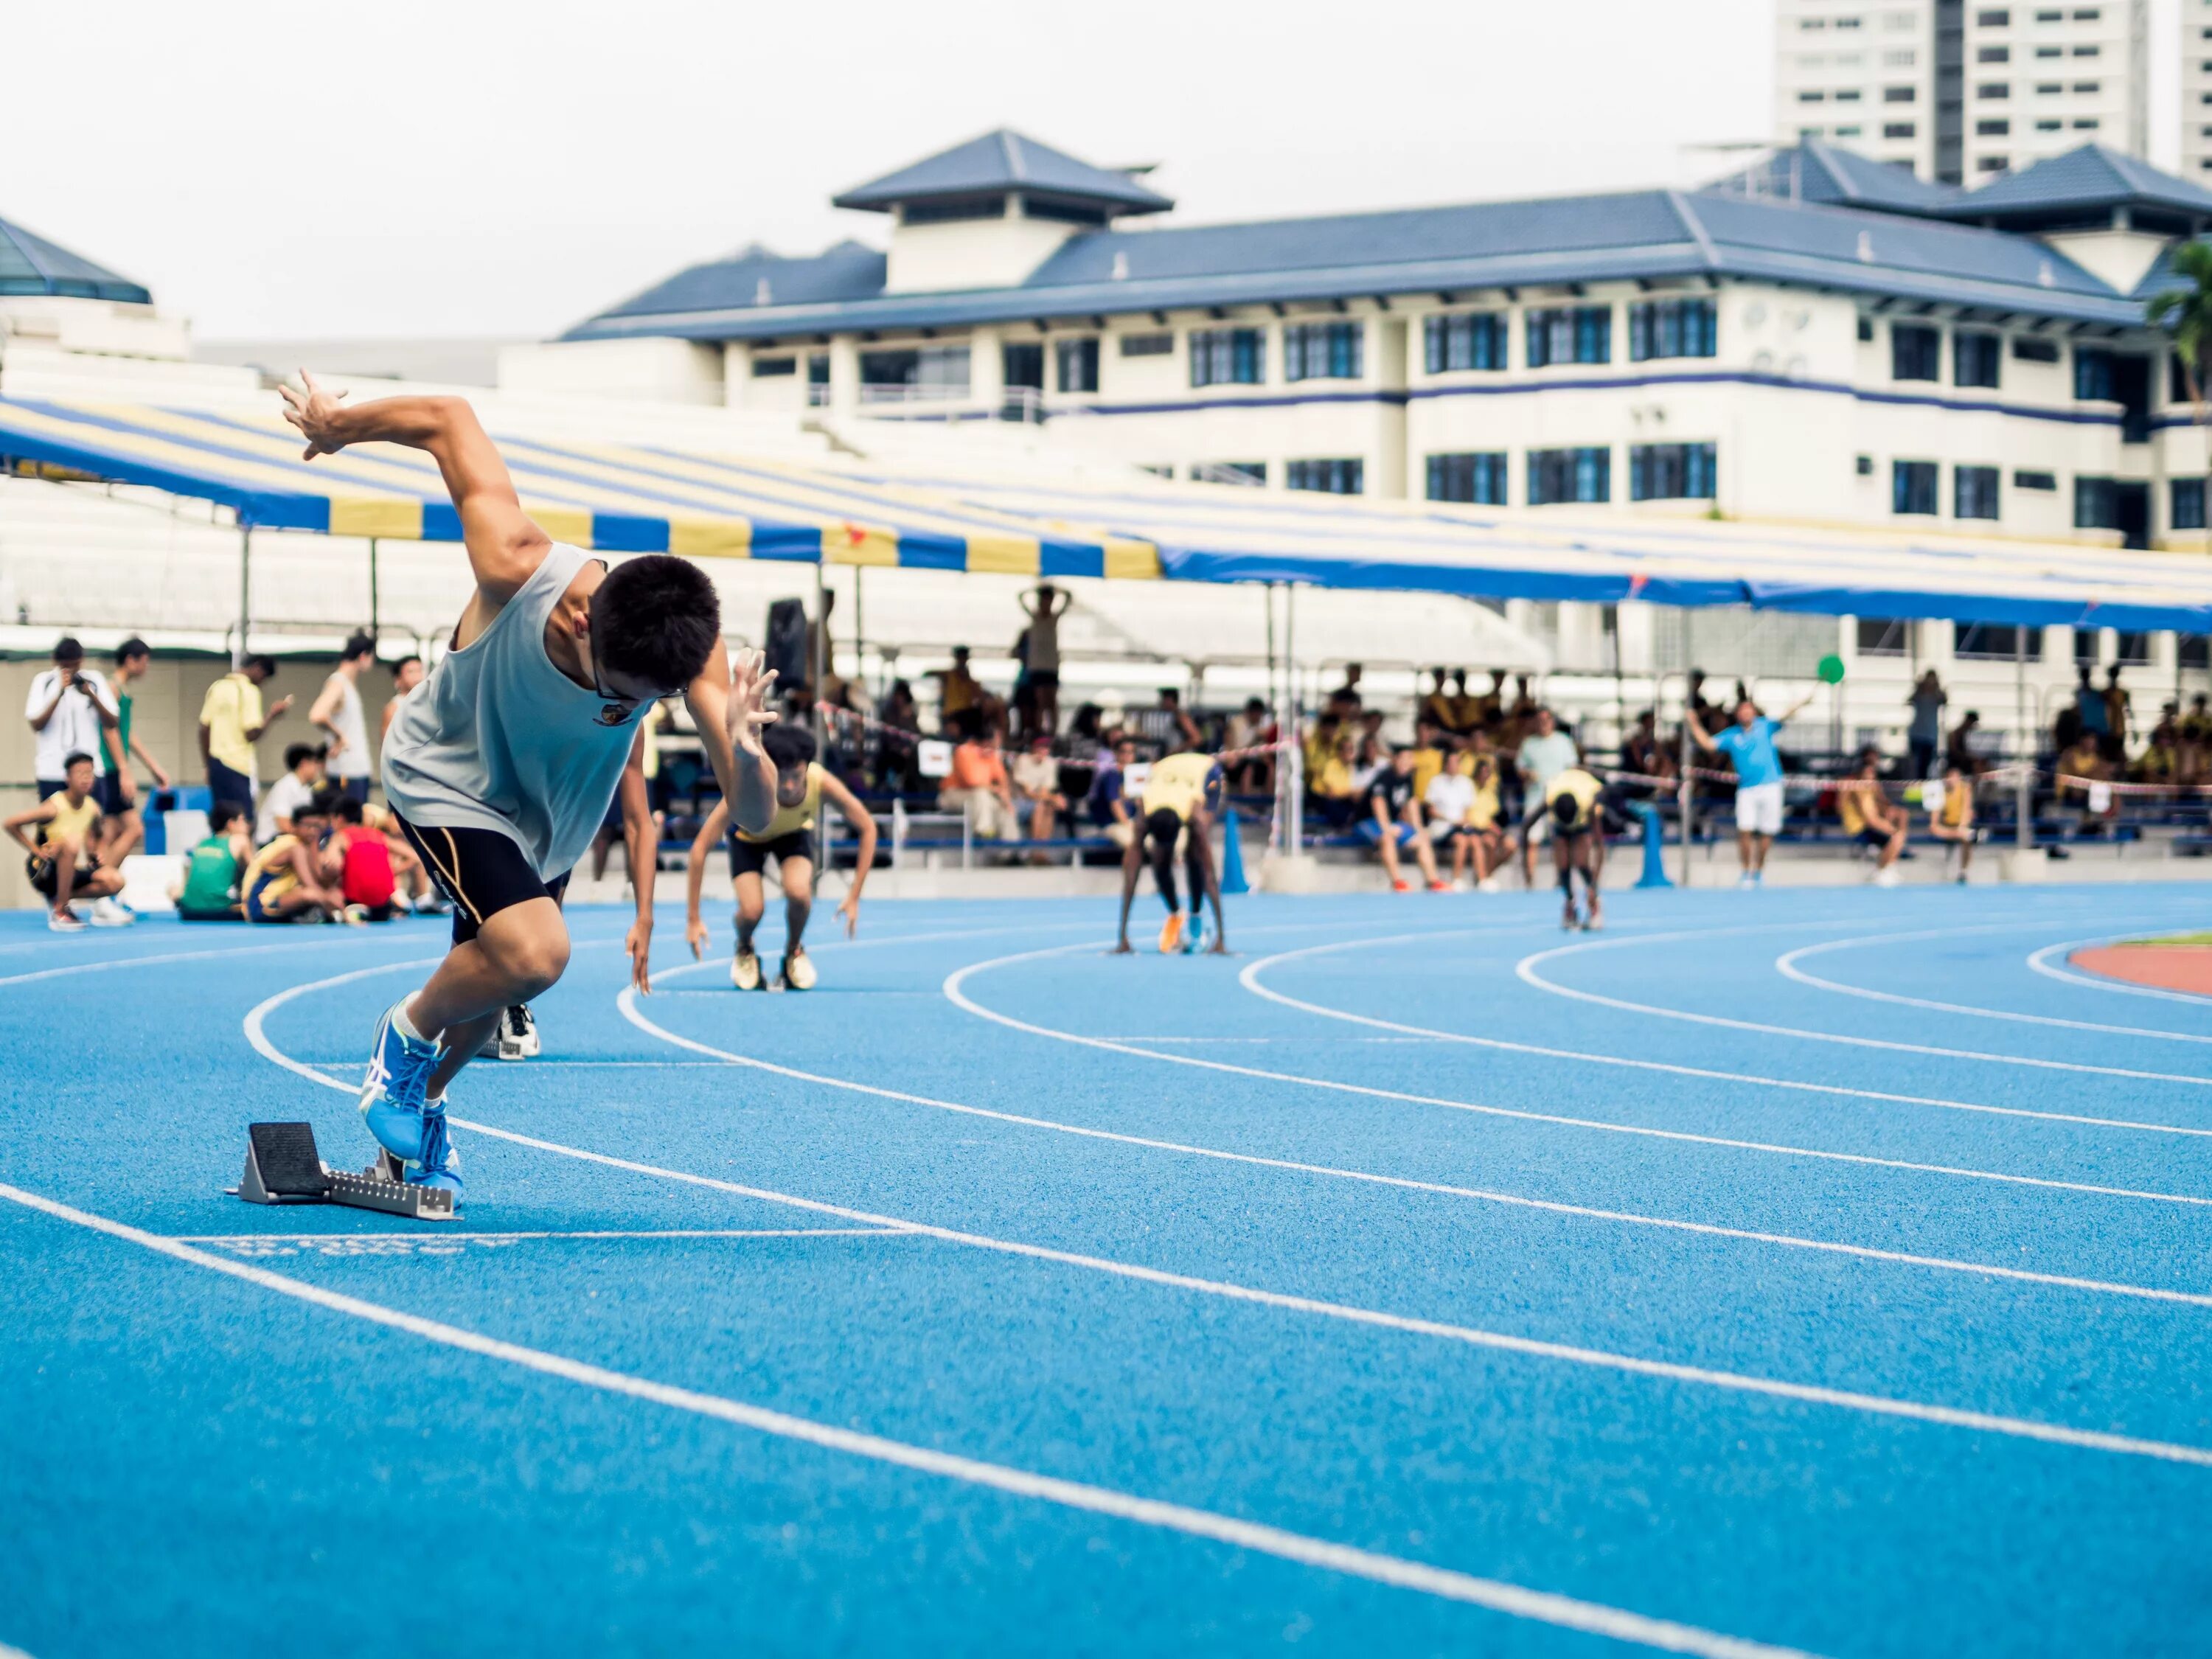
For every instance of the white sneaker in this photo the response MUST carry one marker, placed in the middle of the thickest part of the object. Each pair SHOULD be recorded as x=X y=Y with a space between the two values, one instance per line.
x=106 y=913
x=61 y=921
x=1489 y=885
x=1746 y=880
x=1886 y=877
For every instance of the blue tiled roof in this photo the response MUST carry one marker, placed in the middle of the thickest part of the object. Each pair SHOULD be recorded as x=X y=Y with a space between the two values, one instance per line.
x=1004 y=161
x=2090 y=176
x=1557 y=239
x=32 y=264
x=850 y=270
x=1811 y=171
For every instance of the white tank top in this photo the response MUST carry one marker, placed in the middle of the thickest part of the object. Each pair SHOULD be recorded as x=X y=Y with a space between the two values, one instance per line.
x=352 y=761
x=499 y=739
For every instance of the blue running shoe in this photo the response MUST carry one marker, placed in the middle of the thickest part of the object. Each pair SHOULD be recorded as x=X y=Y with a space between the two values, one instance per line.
x=1194 y=937
x=439 y=1164
x=399 y=1070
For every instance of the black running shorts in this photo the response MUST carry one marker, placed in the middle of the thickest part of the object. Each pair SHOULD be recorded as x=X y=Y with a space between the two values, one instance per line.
x=481 y=871
x=749 y=858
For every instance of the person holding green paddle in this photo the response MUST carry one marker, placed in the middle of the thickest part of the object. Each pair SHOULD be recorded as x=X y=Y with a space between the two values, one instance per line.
x=1749 y=745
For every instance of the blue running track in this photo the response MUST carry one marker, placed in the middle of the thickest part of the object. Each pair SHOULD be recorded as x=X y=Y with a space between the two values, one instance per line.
x=1813 y=1272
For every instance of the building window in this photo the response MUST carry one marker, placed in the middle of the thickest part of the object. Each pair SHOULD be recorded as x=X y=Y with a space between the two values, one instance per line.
x=2049 y=126
x=818 y=378
x=1899 y=95
x=2026 y=479
x=1251 y=472
x=2193 y=651
x=2030 y=350
x=2086 y=124
x=2130 y=648
x=1994 y=90
x=1468 y=339
x=1997 y=129
x=1672 y=328
x=1993 y=164
x=1851 y=96
x=1148 y=346
x=1570 y=334
x=1975 y=358
x=1993 y=20
x=1812 y=97
x=931 y=372
x=1345 y=478
x=1997 y=642
x=1884 y=636
x=1974 y=491
x=2095 y=505
x=1322 y=351
x=1897 y=129
x=770 y=368
x=1228 y=356
x=1915 y=352
x=1076 y=361
x=1993 y=55
x=1569 y=475
x=1021 y=365
x=2187 y=503
x=1866 y=329
x=2093 y=380
x=1912 y=486
x=1480 y=479
x=1671 y=473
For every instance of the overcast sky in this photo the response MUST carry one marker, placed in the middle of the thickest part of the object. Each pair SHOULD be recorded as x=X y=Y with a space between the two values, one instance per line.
x=451 y=168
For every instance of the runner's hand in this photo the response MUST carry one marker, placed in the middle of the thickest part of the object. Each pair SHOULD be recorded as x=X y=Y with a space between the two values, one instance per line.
x=694 y=935
x=639 y=943
x=850 y=909
x=748 y=711
x=315 y=412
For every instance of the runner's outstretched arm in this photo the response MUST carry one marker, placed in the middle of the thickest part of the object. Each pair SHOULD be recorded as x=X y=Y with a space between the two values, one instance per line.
x=864 y=824
x=1132 y=860
x=695 y=874
x=1201 y=850
x=729 y=705
x=641 y=849
x=505 y=547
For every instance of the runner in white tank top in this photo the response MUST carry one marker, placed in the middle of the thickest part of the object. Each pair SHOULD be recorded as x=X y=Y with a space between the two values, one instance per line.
x=500 y=764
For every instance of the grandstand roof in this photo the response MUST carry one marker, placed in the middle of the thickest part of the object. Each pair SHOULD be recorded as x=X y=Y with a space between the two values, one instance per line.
x=1812 y=171
x=32 y=264
x=2087 y=179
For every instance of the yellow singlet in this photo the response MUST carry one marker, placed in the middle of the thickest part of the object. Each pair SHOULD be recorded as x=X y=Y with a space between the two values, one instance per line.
x=789 y=820
x=1576 y=784
x=1179 y=783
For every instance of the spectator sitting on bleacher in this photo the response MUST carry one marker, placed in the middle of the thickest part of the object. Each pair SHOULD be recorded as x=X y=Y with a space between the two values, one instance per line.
x=2079 y=767
x=959 y=691
x=2116 y=716
x=63 y=864
x=1371 y=756
x=1331 y=792
x=290 y=879
x=1430 y=755
x=365 y=874
x=1958 y=747
x=1107 y=802
x=208 y=891
x=1492 y=844
x=977 y=784
x=1393 y=820
x=1036 y=782
x=1644 y=754
x=1464 y=818
x=2196 y=739
x=281 y=802
x=1868 y=818
x=1171 y=724
x=1952 y=823
x=1247 y=730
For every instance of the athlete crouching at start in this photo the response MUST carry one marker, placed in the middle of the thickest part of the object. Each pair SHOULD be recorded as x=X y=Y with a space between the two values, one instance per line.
x=1179 y=799
x=501 y=765
x=1576 y=802
x=801 y=786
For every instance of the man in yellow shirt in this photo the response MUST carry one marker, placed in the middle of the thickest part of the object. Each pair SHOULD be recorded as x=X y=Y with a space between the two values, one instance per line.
x=231 y=723
x=63 y=864
x=1181 y=797
x=1952 y=821
x=1868 y=818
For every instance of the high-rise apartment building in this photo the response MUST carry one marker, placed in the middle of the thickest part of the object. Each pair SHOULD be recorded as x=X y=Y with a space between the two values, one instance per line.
x=2196 y=88
x=1958 y=90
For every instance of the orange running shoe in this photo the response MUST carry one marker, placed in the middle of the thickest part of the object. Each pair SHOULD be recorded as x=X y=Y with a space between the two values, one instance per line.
x=1171 y=933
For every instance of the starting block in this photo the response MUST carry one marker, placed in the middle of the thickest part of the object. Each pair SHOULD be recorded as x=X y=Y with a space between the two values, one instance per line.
x=283 y=1166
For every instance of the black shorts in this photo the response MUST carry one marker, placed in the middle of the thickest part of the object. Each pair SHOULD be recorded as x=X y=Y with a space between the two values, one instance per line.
x=481 y=871
x=1871 y=837
x=749 y=858
x=109 y=791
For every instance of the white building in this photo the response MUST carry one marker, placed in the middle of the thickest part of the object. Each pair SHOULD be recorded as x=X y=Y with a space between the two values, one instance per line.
x=1956 y=90
x=2195 y=50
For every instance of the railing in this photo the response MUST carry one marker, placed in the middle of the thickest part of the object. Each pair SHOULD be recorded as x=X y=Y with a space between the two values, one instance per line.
x=1207 y=473
x=912 y=393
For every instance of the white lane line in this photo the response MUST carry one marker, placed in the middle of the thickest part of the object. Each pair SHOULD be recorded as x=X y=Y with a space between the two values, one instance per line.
x=1514 y=1600
x=1526 y=969
x=1249 y=979
x=1787 y=965
x=1405 y=1183
x=346 y=936
x=231 y=1240
x=959 y=998
x=2041 y=963
x=1810 y=1393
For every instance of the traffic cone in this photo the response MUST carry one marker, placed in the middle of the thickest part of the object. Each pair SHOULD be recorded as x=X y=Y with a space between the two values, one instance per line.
x=1232 y=857
x=1655 y=846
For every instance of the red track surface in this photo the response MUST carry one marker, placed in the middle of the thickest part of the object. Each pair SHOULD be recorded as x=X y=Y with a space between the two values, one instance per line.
x=2168 y=967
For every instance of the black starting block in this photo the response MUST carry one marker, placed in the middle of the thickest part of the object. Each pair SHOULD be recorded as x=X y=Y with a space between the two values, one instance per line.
x=284 y=1167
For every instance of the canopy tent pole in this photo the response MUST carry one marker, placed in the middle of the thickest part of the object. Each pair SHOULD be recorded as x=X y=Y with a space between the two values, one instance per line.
x=1275 y=702
x=860 y=634
x=1686 y=797
x=1293 y=773
x=372 y=613
x=245 y=593
x=2024 y=787
x=820 y=678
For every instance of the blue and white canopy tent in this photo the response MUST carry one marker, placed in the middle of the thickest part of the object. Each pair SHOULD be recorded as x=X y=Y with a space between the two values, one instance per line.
x=622 y=498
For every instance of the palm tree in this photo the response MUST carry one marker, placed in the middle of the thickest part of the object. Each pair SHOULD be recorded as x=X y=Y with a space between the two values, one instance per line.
x=2183 y=315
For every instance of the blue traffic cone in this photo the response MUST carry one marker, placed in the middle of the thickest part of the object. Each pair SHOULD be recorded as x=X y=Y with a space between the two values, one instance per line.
x=1232 y=857
x=1655 y=846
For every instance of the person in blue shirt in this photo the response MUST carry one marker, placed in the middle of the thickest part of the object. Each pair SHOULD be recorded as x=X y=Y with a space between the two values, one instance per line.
x=1749 y=745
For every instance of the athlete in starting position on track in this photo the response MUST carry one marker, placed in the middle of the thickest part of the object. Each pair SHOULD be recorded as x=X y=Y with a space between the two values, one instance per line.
x=500 y=764
x=789 y=838
x=1574 y=801
x=1181 y=794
